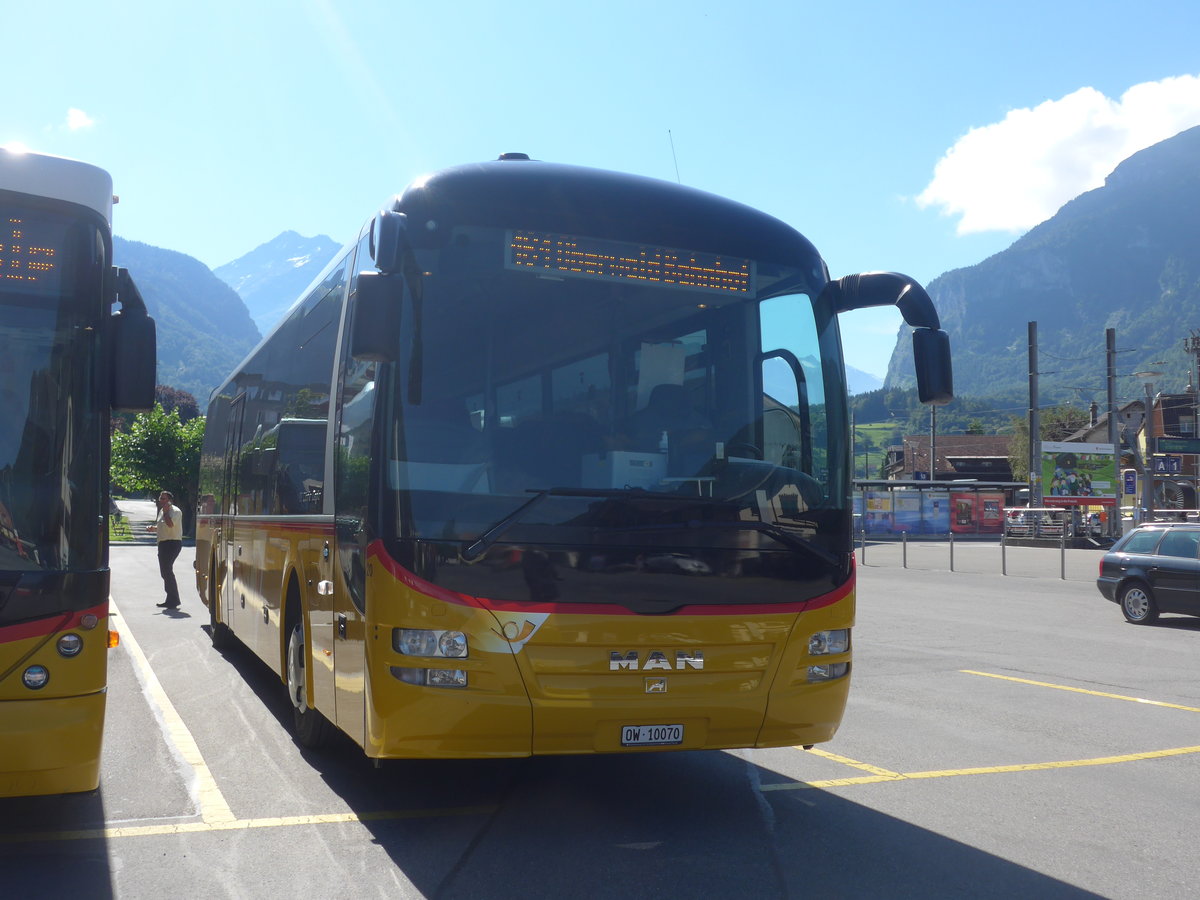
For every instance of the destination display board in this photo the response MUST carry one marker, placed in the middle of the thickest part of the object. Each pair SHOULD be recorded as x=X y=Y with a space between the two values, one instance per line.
x=31 y=252
x=572 y=256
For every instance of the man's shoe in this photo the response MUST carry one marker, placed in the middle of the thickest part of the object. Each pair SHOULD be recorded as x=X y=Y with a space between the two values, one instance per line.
x=166 y=604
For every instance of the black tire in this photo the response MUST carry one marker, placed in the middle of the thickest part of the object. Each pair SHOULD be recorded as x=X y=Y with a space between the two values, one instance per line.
x=1137 y=603
x=312 y=729
x=218 y=632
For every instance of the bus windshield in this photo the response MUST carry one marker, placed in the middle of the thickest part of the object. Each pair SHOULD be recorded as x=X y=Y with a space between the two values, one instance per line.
x=637 y=389
x=50 y=301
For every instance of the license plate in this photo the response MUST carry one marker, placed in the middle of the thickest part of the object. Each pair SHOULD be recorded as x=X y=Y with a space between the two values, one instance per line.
x=651 y=735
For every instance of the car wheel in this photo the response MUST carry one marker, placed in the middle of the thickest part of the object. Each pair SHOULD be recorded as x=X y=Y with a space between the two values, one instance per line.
x=1137 y=603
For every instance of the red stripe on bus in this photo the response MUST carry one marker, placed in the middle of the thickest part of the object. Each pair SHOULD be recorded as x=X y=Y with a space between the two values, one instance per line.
x=49 y=625
x=270 y=522
x=377 y=553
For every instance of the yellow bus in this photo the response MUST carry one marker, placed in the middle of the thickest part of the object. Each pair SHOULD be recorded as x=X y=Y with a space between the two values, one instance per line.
x=67 y=362
x=549 y=460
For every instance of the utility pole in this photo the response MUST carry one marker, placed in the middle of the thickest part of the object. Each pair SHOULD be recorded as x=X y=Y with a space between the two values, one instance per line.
x=1114 y=438
x=1035 y=423
x=932 y=442
x=854 y=449
x=1192 y=345
x=1147 y=379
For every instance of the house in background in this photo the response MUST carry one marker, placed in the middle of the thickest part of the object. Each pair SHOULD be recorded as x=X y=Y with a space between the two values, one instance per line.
x=983 y=457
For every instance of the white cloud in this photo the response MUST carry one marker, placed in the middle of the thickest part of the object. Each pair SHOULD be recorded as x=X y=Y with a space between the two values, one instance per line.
x=1013 y=174
x=77 y=119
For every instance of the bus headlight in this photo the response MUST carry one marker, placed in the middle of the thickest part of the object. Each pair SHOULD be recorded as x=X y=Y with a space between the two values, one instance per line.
x=824 y=643
x=35 y=677
x=453 y=644
x=451 y=678
x=69 y=645
x=426 y=642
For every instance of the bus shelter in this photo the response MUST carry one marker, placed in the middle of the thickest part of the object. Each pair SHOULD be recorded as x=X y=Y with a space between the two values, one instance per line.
x=961 y=508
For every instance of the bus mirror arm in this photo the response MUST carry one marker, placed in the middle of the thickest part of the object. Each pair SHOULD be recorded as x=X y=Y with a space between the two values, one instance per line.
x=389 y=241
x=127 y=291
x=134 y=357
x=931 y=345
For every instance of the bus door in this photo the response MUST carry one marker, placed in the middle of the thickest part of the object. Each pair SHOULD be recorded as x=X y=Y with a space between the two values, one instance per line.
x=352 y=464
x=226 y=540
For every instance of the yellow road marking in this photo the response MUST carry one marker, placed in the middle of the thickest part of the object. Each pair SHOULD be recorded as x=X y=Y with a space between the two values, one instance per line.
x=126 y=831
x=213 y=808
x=878 y=775
x=882 y=775
x=885 y=774
x=1075 y=690
x=214 y=811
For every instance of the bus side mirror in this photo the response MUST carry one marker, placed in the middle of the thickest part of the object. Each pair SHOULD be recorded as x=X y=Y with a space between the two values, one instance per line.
x=931 y=358
x=375 y=323
x=931 y=345
x=134 y=361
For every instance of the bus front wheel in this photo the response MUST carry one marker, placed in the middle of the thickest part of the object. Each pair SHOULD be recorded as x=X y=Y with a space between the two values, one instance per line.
x=311 y=728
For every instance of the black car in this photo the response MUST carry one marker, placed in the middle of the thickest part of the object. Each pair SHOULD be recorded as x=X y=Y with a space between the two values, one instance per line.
x=1154 y=569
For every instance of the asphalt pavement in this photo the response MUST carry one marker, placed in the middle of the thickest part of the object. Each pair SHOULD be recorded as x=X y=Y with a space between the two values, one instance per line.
x=1006 y=736
x=139 y=514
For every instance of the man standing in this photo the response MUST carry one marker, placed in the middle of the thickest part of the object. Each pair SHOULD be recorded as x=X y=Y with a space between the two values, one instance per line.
x=169 y=527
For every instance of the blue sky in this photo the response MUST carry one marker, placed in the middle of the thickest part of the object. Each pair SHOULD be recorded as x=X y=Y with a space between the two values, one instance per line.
x=917 y=137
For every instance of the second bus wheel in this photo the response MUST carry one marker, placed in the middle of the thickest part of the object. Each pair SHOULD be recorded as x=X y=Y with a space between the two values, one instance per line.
x=311 y=728
x=218 y=632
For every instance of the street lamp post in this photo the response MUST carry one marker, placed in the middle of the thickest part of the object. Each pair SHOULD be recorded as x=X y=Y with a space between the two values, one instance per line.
x=1147 y=380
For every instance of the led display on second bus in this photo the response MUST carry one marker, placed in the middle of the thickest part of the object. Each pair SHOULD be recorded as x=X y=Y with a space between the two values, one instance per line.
x=30 y=253
x=582 y=257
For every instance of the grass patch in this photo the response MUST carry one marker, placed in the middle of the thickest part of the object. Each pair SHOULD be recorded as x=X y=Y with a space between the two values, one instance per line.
x=119 y=530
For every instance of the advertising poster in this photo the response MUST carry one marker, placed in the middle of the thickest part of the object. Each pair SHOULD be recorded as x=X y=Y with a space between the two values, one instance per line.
x=977 y=512
x=1075 y=474
x=963 y=512
x=936 y=512
x=906 y=511
x=879 y=512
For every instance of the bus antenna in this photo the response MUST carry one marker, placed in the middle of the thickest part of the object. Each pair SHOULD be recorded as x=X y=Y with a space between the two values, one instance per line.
x=673 y=157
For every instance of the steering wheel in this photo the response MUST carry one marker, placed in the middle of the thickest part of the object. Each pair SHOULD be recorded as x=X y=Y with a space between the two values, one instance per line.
x=746 y=450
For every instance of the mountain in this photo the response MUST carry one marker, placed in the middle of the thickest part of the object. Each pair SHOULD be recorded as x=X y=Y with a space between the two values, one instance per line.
x=204 y=330
x=271 y=277
x=1124 y=256
x=860 y=382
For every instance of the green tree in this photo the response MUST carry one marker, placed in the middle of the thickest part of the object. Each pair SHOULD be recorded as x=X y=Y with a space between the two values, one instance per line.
x=1057 y=424
x=170 y=398
x=159 y=453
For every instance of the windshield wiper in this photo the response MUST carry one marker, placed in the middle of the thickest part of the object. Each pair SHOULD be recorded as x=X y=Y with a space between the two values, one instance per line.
x=783 y=535
x=478 y=547
x=475 y=550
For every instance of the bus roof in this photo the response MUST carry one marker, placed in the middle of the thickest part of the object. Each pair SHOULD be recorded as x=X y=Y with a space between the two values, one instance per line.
x=518 y=192
x=57 y=178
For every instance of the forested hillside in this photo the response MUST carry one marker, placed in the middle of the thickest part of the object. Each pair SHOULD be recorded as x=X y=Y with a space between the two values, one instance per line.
x=204 y=330
x=1124 y=256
